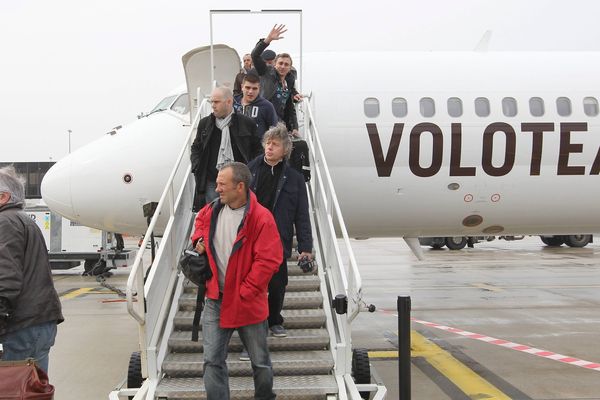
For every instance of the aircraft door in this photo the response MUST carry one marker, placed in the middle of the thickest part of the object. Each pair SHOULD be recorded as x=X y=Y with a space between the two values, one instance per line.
x=197 y=67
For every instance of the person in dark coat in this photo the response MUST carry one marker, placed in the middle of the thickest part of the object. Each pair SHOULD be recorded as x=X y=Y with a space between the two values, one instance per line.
x=251 y=104
x=29 y=305
x=212 y=149
x=277 y=82
x=237 y=85
x=282 y=190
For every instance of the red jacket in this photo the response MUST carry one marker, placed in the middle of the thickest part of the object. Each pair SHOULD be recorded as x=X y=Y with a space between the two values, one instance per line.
x=255 y=257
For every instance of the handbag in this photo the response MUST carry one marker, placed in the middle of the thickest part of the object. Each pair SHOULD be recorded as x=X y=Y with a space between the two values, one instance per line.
x=196 y=268
x=24 y=380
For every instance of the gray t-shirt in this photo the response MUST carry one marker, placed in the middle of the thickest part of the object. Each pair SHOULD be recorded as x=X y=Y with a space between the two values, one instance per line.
x=227 y=225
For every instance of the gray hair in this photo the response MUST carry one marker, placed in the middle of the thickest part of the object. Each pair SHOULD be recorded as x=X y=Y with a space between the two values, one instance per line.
x=241 y=173
x=12 y=183
x=279 y=132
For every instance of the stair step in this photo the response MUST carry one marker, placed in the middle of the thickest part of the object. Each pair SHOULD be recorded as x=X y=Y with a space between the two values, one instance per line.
x=307 y=387
x=293 y=319
x=301 y=283
x=297 y=339
x=293 y=300
x=314 y=362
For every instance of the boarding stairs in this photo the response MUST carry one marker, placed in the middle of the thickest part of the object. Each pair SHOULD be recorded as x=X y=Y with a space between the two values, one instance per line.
x=314 y=361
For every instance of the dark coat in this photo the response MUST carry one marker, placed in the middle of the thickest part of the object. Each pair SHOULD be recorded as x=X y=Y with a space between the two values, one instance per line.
x=290 y=208
x=25 y=274
x=268 y=84
x=260 y=110
x=243 y=136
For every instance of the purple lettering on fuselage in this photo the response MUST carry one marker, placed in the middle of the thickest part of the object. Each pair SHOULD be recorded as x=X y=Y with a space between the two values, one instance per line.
x=489 y=150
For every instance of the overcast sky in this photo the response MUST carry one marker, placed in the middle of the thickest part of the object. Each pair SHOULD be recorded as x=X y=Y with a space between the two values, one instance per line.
x=89 y=66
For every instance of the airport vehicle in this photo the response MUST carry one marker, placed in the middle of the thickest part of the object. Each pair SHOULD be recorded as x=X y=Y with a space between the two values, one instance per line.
x=459 y=242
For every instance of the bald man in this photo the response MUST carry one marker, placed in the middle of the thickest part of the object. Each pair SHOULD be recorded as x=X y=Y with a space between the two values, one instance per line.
x=222 y=137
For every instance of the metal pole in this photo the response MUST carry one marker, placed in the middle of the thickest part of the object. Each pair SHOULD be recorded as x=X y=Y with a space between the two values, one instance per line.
x=69 y=140
x=212 y=55
x=404 y=347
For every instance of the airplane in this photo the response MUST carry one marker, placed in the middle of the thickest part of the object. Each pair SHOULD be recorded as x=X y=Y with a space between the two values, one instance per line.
x=419 y=144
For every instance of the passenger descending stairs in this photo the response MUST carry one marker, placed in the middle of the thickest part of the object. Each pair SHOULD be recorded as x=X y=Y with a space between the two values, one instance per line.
x=302 y=361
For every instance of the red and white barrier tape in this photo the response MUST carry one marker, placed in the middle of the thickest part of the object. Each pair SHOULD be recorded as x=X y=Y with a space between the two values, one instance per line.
x=511 y=345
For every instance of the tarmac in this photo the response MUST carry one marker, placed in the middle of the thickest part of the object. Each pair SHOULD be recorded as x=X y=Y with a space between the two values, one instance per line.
x=502 y=320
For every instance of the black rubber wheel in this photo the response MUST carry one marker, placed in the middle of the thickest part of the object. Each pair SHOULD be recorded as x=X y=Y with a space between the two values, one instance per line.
x=553 y=241
x=577 y=240
x=437 y=246
x=88 y=265
x=134 y=372
x=456 y=242
x=361 y=369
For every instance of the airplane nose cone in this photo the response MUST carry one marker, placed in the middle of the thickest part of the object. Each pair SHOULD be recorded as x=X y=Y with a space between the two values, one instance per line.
x=56 y=188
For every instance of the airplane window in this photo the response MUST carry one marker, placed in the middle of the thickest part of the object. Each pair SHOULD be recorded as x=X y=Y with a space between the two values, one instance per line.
x=563 y=106
x=163 y=104
x=509 y=107
x=455 y=108
x=536 y=106
x=482 y=107
x=182 y=104
x=590 y=106
x=371 y=106
x=399 y=107
x=427 y=107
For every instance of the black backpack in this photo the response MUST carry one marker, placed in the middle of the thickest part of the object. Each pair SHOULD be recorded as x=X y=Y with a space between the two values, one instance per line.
x=299 y=158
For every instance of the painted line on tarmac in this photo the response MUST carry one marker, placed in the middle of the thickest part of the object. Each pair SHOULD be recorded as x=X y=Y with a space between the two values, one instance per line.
x=75 y=293
x=467 y=380
x=550 y=355
x=515 y=346
x=451 y=375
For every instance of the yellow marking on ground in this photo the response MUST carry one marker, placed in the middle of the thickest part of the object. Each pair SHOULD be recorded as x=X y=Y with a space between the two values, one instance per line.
x=100 y=292
x=485 y=286
x=383 y=354
x=464 y=378
x=76 y=293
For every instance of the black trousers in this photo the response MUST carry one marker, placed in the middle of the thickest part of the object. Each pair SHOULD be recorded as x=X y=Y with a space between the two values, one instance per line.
x=277 y=287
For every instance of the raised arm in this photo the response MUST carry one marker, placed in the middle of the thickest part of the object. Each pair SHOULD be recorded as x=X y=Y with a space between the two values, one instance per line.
x=259 y=63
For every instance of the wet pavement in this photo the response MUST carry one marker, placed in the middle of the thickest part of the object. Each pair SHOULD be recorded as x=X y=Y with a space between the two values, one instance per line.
x=517 y=292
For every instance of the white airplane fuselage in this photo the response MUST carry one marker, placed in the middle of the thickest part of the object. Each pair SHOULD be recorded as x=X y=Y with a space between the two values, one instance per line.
x=394 y=174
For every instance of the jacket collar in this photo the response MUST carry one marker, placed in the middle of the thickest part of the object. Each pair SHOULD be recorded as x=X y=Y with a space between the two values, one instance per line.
x=11 y=205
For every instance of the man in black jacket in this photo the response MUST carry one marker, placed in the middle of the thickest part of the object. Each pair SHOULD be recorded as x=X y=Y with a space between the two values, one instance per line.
x=277 y=82
x=29 y=305
x=222 y=137
x=282 y=190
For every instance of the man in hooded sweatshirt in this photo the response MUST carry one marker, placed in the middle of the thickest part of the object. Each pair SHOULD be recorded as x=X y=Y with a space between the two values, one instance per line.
x=251 y=104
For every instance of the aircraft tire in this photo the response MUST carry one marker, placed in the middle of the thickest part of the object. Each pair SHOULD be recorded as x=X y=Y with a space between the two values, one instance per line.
x=553 y=241
x=453 y=244
x=577 y=240
x=437 y=246
x=361 y=369
x=134 y=371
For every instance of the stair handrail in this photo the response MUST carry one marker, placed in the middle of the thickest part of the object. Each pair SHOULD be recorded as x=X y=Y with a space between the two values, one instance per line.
x=174 y=211
x=351 y=281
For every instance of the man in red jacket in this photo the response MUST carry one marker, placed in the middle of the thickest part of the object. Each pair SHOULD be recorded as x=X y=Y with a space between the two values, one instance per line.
x=242 y=243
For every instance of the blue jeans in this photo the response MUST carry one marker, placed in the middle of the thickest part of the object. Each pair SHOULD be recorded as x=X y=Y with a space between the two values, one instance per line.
x=216 y=342
x=31 y=342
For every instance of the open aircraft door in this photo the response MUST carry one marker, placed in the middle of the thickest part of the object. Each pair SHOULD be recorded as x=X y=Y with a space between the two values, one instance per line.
x=197 y=64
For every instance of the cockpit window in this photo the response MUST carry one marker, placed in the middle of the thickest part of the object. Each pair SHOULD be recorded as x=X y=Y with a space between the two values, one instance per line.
x=163 y=104
x=182 y=104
